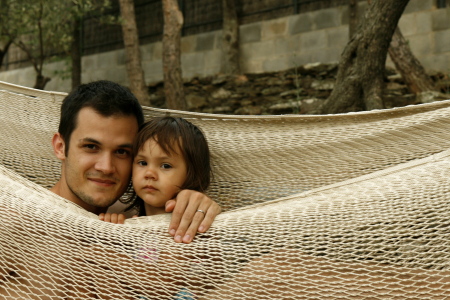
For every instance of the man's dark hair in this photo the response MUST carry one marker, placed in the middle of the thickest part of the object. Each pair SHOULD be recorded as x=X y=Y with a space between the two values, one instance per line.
x=105 y=97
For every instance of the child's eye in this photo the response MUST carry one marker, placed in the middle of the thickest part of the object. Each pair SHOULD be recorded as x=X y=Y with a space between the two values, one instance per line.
x=142 y=163
x=166 y=166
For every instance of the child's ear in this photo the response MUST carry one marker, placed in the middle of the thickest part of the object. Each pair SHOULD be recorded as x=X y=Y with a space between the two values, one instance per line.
x=59 y=146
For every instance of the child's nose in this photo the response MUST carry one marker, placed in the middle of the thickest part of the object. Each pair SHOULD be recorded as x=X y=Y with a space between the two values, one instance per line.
x=150 y=173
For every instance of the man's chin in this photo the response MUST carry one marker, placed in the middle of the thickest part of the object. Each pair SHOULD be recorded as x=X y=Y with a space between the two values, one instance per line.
x=102 y=202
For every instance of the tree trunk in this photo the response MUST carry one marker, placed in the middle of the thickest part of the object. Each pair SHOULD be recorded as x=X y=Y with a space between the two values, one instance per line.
x=132 y=52
x=352 y=17
x=75 y=53
x=359 y=82
x=409 y=67
x=230 y=41
x=173 y=80
x=41 y=81
x=4 y=51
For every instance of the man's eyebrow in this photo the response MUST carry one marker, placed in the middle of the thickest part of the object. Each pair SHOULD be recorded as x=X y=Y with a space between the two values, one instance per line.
x=126 y=146
x=94 y=141
x=90 y=140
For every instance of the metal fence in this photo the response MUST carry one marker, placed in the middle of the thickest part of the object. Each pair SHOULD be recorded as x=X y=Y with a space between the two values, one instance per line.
x=199 y=16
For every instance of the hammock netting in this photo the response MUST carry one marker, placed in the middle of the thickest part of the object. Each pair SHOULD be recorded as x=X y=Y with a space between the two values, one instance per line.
x=351 y=206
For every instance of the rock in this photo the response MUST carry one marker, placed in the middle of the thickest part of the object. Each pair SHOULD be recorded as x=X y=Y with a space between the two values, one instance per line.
x=220 y=79
x=275 y=81
x=286 y=107
x=291 y=93
x=221 y=94
x=310 y=105
x=246 y=102
x=322 y=85
x=395 y=86
x=279 y=92
x=222 y=110
x=248 y=110
x=240 y=80
x=272 y=91
x=431 y=96
x=196 y=101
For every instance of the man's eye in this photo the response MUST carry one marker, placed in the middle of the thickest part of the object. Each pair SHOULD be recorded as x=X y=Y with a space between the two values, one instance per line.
x=90 y=147
x=166 y=166
x=123 y=153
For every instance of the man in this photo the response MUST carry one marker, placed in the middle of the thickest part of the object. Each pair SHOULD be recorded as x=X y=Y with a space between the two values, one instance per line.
x=99 y=121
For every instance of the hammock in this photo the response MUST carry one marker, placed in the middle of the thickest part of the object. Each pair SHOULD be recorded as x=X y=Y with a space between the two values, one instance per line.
x=352 y=206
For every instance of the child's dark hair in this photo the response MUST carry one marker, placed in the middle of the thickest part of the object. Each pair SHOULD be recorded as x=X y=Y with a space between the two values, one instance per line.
x=173 y=133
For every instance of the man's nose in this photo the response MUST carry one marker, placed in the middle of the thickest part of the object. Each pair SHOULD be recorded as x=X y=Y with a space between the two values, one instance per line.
x=105 y=164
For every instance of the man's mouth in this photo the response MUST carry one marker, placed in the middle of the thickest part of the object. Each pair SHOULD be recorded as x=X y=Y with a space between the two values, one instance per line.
x=102 y=182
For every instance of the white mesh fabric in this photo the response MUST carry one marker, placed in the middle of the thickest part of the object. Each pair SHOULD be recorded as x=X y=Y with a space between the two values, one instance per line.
x=352 y=206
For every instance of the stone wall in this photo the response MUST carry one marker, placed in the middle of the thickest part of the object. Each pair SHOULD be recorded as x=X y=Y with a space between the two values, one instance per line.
x=279 y=44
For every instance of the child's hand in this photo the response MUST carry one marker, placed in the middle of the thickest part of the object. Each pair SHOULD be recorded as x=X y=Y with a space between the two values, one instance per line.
x=112 y=218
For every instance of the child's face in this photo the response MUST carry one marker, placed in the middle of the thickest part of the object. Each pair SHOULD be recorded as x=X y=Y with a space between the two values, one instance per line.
x=157 y=177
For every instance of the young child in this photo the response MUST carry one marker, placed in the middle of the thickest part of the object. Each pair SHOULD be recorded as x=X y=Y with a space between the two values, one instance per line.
x=170 y=154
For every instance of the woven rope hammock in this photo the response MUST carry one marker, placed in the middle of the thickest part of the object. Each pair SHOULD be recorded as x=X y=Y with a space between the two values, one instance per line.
x=353 y=206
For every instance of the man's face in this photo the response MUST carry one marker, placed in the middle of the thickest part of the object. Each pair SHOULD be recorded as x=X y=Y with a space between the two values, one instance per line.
x=97 y=168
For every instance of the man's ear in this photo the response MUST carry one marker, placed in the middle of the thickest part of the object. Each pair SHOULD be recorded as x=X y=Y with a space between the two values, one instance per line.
x=59 y=146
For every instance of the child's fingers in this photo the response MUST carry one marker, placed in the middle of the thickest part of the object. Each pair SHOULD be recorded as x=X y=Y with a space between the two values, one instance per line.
x=112 y=218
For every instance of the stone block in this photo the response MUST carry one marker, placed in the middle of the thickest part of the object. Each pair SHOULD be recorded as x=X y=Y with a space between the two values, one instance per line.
x=440 y=19
x=205 y=42
x=282 y=46
x=313 y=40
x=107 y=59
x=333 y=54
x=302 y=58
x=117 y=74
x=212 y=62
x=260 y=50
x=188 y=44
x=157 y=50
x=362 y=6
x=153 y=69
x=88 y=62
x=250 y=33
x=300 y=23
x=218 y=36
x=439 y=62
x=442 y=41
x=147 y=52
x=274 y=29
x=338 y=36
x=423 y=22
x=420 y=44
x=192 y=64
x=294 y=42
x=326 y=18
x=93 y=75
x=418 y=5
x=24 y=76
x=121 y=59
x=251 y=66
x=59 y=84
x=328 y=55
x=276 y=64
x=407 y=24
